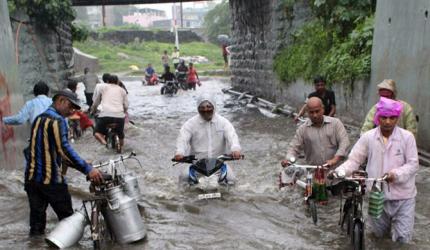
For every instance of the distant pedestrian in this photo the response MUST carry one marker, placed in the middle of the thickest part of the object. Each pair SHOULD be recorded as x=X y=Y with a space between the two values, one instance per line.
x=165 y=59
x=175 y=57
x=89 y=79
x=225 y=54
x=192 y=77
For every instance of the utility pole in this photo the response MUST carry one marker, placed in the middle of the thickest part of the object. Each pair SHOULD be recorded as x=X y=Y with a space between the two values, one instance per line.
x=182 y=16
x=103 y=16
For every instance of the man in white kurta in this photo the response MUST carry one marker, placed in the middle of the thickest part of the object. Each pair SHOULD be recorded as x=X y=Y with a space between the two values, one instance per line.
x=207 y=135
x=390 y=150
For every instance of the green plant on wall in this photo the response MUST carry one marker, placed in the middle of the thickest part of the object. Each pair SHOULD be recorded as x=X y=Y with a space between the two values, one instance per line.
x=80 y=32
x=336 y=44
x=49 y=13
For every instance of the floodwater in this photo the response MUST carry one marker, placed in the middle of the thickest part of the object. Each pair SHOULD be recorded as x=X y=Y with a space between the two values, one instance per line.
x=252 y=215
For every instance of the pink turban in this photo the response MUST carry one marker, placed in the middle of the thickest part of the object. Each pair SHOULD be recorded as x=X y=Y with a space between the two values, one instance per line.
x=388 y=108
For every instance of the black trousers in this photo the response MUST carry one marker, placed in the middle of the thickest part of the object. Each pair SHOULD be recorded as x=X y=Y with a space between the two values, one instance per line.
x=89 y=97
x=40 y=196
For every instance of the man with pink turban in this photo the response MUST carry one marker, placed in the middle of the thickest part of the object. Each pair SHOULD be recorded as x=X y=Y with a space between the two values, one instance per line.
x=390 y=150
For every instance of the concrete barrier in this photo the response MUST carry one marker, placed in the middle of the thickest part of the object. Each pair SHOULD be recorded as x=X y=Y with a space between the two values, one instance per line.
x=81 y=60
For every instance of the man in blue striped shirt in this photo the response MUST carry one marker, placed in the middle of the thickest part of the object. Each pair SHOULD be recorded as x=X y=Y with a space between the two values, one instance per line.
x=45 y=181
x=33 y=107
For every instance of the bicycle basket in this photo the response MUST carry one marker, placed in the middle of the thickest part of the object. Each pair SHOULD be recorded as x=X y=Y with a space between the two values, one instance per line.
x=376 y=202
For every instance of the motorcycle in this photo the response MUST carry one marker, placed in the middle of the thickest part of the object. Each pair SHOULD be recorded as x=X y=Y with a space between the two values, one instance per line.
x=207 y=174
x=151 y=80
x=170 y=88
x=182 y=79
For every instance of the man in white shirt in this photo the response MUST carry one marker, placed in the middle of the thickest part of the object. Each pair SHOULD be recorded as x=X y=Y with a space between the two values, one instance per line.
x=207 y=135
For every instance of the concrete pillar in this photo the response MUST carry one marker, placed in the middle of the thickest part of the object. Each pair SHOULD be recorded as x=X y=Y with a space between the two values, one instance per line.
x=11 y=98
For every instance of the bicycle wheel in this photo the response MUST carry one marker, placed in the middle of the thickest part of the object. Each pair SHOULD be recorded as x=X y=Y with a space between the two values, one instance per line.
x=358 y=235
x=117 y=144
x=98 y=228
x=313 y=210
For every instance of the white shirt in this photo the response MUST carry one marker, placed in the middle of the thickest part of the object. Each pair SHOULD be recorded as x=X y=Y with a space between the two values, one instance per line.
x=207 y=139
x=113 y=99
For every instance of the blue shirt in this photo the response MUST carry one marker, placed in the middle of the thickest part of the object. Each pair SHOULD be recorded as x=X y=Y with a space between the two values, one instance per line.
x=49 y=148
x=30 y=111
x=149 y=71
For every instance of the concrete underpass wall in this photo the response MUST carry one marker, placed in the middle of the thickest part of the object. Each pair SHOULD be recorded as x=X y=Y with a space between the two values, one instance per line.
x=260 y=29
x=401 y=51
x=44 y=53
x=11 y=139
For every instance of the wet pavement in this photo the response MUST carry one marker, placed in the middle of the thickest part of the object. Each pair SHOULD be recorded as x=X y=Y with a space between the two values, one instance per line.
x=252 y=215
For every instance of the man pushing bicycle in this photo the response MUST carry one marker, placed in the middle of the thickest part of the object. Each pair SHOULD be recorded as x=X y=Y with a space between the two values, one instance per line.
x=392 y=151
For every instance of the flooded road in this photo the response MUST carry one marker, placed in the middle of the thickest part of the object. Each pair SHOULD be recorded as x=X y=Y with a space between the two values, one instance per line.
x=253 y=215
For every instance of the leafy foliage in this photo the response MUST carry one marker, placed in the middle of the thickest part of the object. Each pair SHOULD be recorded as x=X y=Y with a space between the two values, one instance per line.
x=336 y=44
x=80 y=32
x=51 y=13
x=217 y=21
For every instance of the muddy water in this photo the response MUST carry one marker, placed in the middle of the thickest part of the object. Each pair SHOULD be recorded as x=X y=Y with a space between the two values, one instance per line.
x=253 y=215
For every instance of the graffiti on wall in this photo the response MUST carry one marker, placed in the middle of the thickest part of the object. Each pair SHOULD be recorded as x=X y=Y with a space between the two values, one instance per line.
x=7 y=135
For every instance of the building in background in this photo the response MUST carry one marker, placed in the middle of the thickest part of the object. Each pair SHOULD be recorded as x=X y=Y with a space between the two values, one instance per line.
x=144 y=17
x=191 y=17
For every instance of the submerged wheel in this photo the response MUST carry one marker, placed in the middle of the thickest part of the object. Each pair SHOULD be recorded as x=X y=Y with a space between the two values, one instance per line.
x=98 y=229
x=313 y=210
x=118 y=144
x=358 y=236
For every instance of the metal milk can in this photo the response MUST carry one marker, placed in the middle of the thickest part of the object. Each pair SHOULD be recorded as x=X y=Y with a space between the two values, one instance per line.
x=123 y=216
x=68 y=231
x=131 y=186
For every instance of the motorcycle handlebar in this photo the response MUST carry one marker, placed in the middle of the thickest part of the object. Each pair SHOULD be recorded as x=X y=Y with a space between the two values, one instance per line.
x=192 y=158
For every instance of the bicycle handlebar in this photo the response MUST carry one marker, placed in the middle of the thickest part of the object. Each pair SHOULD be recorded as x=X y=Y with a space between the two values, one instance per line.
x=361 y=178
x=325 y=166
x=121 y=158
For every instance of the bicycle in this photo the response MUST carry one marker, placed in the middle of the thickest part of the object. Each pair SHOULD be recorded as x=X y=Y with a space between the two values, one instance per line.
x=112 y=138
x=98 y=204
x=352 y=210
x=310 y=198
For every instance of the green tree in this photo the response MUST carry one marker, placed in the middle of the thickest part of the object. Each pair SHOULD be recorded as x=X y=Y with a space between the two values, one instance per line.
x=218 y=21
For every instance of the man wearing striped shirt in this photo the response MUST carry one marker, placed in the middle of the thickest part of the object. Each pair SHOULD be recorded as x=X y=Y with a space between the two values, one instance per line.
x=45 y=181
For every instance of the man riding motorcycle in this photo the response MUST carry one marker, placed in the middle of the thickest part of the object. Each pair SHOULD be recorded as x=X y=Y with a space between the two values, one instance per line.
x=166 y=77
x=150 y=75
x=207 y=135
x=181 y=74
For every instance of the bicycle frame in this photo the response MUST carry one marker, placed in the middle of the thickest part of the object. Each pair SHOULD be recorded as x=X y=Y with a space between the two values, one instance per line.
x=351 y=211
x=308 y=185
x=98 y=201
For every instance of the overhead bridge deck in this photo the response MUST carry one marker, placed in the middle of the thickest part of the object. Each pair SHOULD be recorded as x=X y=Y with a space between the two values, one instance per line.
x=124 y=2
